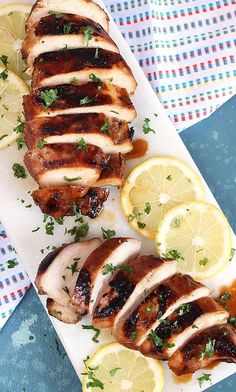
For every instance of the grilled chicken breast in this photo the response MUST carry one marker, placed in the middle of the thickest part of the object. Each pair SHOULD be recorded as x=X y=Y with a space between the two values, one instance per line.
x=99 y=268
x=80 y=66
x=67 y=32
x=109 y=133
x=188 y=320
x=166 y=298
x=74 y=99
x=62 y=201
x=64 y=164
x=128 y=287
x=195 y=354
x=67 y=314
x=58 y=272
x=85 y=8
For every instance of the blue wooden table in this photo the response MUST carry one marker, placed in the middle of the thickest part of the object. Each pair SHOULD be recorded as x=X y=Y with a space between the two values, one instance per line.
x=31 y=356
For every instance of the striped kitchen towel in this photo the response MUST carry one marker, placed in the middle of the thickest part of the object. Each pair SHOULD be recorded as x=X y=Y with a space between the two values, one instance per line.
x=187 y=51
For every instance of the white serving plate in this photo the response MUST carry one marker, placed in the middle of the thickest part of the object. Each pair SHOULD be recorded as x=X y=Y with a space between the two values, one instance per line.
x=20 y=221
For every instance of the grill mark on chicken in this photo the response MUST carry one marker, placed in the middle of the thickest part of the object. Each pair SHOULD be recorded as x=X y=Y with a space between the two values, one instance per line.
x=188 y=358
x=58 y=202
x=77 y=126
x=70 y=96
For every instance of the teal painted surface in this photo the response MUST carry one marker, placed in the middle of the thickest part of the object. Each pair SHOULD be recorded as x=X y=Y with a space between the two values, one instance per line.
x=31 y=356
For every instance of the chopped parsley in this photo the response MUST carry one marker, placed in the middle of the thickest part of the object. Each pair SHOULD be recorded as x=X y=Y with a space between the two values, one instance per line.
x=57 y=15
x=85 y=100
x=184 y=308
x=66 y=28
x=66 y=290
x=76 y=211
x=126 y=268
x=34 y=231
x=175 y=223
x=82 y=145
x=105 y=127
x=79 y=231
x=141 y=225
x=158 y=341
x=232 y=320
x=72 y=179
x=107 y=233
x=20 y=142
x=203 y=261
x=232 y=254
x=74 y=80
x=88 y=34
x=94 y=382
x=147 y=208
x=96 y=55
x=3 y=136
x=174 y=254
x=73 y=267
x=113 y=371
x=146 y=126
x=4 y=60
x=148 y=309
x=96 y=330
x=19 y=170
x=49 y=227
x=169 y=177
x=49 y=97
x=4 y=74
x=97 y=80
x=20 y=127
x=11 y=263
x=108 y=268
x=194 y=327
x=202 y=379
x=225 y=296
x=209 y=349
x=133 y=336
x=41 y=143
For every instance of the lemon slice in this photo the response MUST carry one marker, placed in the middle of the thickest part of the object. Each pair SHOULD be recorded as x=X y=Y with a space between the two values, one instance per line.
x=118 y=369
x=198 y=236
x=12 y=33
x=153 y=188
x=12 y=89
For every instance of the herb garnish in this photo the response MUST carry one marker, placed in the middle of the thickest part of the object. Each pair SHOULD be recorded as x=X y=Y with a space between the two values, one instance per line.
x=209 y=349
x=4 y=60
x=56 y=14
x=49 y=227
x=3 y=136
x=73 y=267
x=202 y=379
x=88 y=34
x=105 y=127
x=184 y=308
x=126 y=268
x=194 y=327
x=147 y=208
x=107 y=233
x=113 y=371
x=4 y=74
x=232 y=254
x=133 y=336
x=20 y=127
x=66 y=28
x=108 y=268
x=203 y=261
x=79 y=231
x=169 y=177
x=19 y=170
x=158 y=341
x=141 y=225
x=72 y=179
x=85 y=100
x=11 y=263
x=146 y=126
x=225 y=296
x=94 y=382
x=41 y=143
x=96 y=330
x=96 y=55
x=33 y=231
x=49 y=97
x=232 y=320
x=174 y=254
x=66 y=290
x=82 y=145
x=97 y=80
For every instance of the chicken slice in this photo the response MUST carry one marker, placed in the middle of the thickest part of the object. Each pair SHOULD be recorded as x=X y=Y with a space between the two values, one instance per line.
x=76 y=99
x=189 y=319
x=110 y=134
x=58 y=272
x=78 y=66
x=217 y=343
x=67 y=32
x=99 y=268
x=86 y=8
x=114 y=173
x=64 y=164
x=67 y=314
x=128 y=287
x=166 y=298
x=62 y=201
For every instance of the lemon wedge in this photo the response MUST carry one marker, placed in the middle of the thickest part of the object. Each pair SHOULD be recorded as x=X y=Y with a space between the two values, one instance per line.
x=198 y=236
x=114 y=368
x=153 y=188
x=12 y=89
x=12 y=33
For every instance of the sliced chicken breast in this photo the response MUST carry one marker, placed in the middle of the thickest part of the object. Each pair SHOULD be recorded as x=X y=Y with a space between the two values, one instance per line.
x=85 y=8
x=74 y=99
x=128 y=288
x=187 y=321
x=62 y=201
x=64 y=164
x=58 y=272
x=113 y=136
x=217 y=343
x=165 y=299
x=99 y=268
x=114 y=173
x=79 y=66
x=67 y=314
x=67 y=32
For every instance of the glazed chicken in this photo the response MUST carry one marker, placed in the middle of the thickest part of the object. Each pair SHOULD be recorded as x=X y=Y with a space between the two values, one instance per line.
x=78 y=111
x=69 y=31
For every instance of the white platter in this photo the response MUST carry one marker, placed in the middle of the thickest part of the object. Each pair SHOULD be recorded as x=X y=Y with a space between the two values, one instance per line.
x=20 y=221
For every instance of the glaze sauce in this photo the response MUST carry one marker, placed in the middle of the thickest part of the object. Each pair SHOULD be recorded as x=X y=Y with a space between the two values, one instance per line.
x=184 y=379
x=227 y=298
x=140 y=148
